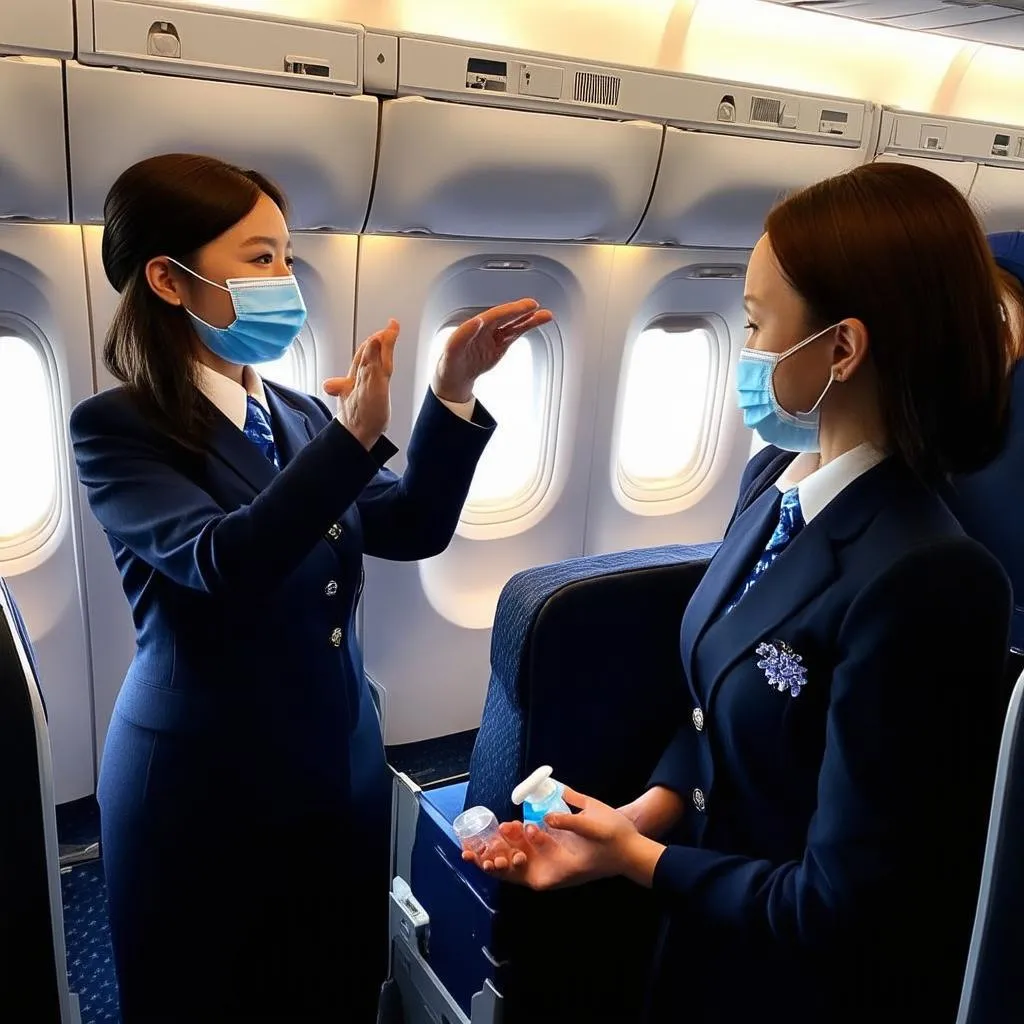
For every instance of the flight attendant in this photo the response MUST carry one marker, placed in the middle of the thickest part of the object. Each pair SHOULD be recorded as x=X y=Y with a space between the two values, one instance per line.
x=243 y=791
x=816 y=827
x=988 y=503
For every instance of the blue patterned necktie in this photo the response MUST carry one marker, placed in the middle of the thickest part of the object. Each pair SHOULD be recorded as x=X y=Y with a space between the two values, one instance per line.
x=791 y=522
x=257 y=429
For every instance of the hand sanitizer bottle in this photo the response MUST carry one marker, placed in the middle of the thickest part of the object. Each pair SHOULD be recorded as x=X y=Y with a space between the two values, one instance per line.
x=539 y=795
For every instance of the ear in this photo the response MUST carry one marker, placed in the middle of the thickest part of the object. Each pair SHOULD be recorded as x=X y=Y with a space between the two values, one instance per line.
x=850 y=350
x=164 y=280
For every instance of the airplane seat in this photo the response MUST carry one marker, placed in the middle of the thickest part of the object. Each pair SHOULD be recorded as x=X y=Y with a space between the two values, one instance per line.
x=993 y=990
x=30 y=890
x=586 y=677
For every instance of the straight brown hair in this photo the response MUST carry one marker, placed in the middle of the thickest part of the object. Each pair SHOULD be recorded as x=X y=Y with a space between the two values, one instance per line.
x=899 y=248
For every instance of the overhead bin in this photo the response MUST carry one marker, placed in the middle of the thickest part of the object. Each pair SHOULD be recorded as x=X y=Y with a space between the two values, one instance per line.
x=998 y=197
x=38 y=27
x=33 y=154
x=730 y=149
x=320 y=148
x=956 y=172
x=984 y=160
x=180 y=37
x=450 y=169
x=716 y=190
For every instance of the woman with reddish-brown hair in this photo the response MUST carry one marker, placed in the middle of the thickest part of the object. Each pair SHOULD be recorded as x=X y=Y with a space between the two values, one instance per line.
x=988 y=502
x=816 y=827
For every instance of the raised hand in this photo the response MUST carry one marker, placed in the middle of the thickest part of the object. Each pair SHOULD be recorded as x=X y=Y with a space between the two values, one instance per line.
x=364 y=395
x=478 y=345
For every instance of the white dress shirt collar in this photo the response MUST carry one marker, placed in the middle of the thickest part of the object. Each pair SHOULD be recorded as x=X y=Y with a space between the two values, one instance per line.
x=818 y=486
x=229 y=396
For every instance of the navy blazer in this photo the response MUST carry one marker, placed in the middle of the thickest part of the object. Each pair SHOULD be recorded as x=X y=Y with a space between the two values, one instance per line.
x=988 y=503
x=832 y=843
x=243 y=582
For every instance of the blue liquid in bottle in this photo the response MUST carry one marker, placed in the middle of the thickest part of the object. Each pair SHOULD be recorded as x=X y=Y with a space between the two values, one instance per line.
x=540 y=795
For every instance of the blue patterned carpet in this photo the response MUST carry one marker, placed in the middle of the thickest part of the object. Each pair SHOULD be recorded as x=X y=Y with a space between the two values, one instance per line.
x=87 y=934
x=86 y=931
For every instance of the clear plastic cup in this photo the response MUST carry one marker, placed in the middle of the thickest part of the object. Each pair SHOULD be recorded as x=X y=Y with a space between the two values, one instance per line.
x=477 y=829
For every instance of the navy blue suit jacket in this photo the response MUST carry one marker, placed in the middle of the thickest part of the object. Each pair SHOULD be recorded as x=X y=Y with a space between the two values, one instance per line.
x=243 y=583
x=988 y=503
x=832 y=843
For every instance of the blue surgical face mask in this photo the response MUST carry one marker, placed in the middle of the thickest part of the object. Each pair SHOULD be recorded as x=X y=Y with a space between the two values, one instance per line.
x=755 y=395
x=269 y=313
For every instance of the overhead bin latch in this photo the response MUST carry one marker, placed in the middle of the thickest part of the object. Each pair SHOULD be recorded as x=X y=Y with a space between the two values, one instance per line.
x=163 y=40
x=316 y=66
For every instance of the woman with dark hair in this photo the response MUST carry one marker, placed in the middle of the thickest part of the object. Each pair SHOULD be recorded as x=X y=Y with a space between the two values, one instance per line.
x=988 y=503
x=817 y=825
x=244 y=793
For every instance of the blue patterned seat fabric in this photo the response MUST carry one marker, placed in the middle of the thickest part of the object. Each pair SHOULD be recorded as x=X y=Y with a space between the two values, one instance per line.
x=585 y=672
x=585 y=676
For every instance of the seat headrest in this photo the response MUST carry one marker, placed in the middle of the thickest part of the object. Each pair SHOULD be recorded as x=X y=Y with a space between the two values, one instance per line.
x=1008 y=249
x=526 y=593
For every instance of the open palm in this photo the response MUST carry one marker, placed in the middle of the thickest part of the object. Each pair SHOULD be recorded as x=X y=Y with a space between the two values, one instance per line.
x=478 y=345
x=540 y=859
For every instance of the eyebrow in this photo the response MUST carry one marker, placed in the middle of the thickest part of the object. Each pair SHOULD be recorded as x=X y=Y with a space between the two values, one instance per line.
x=265 y=240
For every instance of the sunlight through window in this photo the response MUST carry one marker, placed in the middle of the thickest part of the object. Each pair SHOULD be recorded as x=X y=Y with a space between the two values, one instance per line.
x=517 y=394
x=28 y=442
x=664 y=407
x=287 y=370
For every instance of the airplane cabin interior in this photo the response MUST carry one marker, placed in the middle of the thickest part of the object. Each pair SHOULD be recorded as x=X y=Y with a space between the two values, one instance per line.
x=613 y=159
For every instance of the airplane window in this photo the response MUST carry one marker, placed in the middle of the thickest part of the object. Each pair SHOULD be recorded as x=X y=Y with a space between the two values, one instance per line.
x=28 y=441
x=292 y=370
x=518 y=393
x=664 y=406
x=756 y=443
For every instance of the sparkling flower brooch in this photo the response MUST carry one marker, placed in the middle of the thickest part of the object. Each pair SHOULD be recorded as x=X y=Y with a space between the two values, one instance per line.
x=782 y=666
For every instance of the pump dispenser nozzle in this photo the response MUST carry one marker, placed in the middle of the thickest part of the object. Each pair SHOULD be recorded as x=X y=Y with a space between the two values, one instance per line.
x=540 y=795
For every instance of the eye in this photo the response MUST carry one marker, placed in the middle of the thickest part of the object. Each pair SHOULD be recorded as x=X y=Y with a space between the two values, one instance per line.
x=289 y=261
x=750 y=326
x=264 y=259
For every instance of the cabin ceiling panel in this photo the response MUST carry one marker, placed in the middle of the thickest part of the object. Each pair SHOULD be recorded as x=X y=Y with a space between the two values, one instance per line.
x=996 y=23
x=319 y=147
x=472 y=172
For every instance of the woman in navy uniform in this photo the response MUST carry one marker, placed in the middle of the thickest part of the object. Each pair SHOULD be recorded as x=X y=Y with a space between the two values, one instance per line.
x=244 y=793
x=824 y=804
x=988 y=503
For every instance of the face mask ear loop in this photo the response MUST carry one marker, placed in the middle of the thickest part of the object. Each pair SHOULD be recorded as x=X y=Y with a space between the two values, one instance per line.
x=814 y=408
x=796 y=348
x=206 y=280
